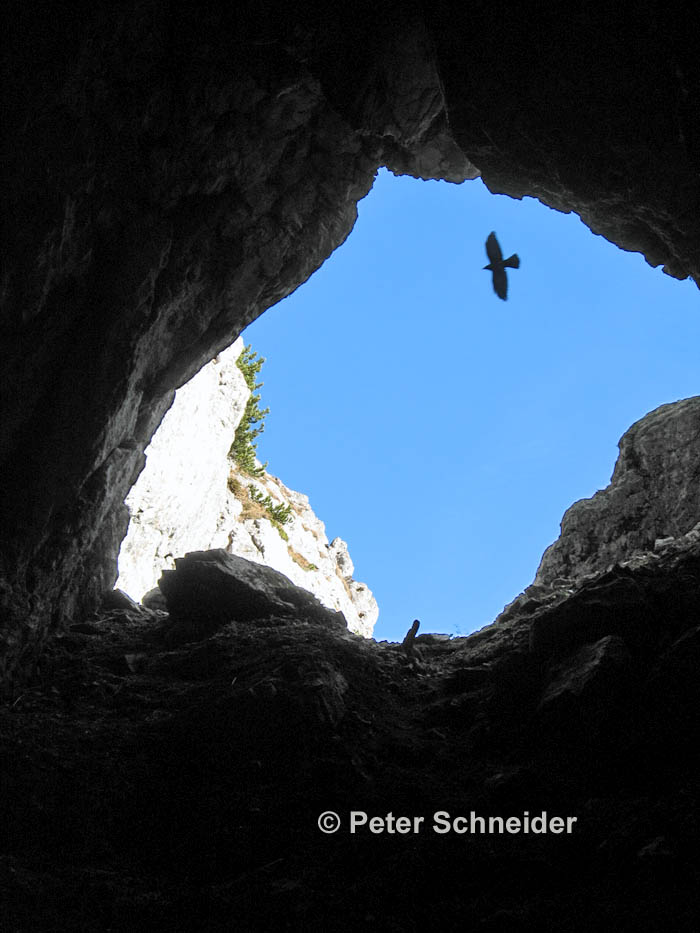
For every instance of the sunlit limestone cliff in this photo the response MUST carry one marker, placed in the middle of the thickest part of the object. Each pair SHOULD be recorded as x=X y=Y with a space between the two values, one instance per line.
x=193 y=496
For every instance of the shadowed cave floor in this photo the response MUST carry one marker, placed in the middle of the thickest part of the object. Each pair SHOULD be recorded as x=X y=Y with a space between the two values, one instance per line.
x=146 y=787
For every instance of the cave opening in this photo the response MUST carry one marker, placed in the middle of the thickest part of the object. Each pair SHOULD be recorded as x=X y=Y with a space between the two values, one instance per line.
x=442 y=432
x=173 y=172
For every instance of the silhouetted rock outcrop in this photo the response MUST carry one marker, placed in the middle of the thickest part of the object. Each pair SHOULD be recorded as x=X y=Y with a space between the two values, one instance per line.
x=218 y=748
x=653 y=497
x=209 y=588
x=651 y=508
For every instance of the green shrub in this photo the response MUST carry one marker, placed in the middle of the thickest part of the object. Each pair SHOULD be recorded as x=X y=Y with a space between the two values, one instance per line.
x=282 y=533
x=244 y=447
x=280 y=514
x=252 y=424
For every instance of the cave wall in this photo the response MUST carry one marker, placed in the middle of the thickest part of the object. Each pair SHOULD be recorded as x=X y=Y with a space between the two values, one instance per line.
x=172 y=170
x=587 y=107
x=653 y=498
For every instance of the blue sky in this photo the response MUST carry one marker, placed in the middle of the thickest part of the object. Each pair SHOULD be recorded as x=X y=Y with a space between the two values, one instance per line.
x=443 y=432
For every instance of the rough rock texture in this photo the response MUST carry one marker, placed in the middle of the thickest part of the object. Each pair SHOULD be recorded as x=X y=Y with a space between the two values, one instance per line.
x=650 y=508
x=169 y=776
x=299 y=549
x=192 y=496
x=171 y=171
x=589 y=110
x=654 y=495
x=176 y=501
x=207 y=589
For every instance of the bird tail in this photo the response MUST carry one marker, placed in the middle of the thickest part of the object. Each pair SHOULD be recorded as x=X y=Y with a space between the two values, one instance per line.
x=513 y=262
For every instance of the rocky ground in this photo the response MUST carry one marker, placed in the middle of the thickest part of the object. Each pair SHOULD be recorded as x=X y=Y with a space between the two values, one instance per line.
x=164 y=775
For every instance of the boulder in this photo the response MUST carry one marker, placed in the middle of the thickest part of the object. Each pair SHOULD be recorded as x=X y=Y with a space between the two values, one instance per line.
x=207 y=589
x=154 y=599
x=117 y=600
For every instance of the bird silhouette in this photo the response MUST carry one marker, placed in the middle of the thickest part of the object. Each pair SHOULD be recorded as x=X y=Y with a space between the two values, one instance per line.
x=497 y=265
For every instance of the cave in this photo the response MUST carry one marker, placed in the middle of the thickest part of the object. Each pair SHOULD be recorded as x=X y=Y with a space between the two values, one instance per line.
x=171 y=172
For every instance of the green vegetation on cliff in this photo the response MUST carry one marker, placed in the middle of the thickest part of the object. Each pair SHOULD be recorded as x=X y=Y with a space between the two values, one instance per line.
x=244 y=448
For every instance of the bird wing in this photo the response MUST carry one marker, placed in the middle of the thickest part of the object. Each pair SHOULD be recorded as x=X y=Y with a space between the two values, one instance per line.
x=500 y=282
x=493 y=250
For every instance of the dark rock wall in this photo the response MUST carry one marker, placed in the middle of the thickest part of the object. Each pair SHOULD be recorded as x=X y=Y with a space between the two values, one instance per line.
x=173 y=170
x=654 y=494
x=591 y=108
x=168 y=179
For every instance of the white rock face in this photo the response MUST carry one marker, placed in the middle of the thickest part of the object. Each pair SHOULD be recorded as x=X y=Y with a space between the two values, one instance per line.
x=305 y=557
x=181 y=491
x=190 y=496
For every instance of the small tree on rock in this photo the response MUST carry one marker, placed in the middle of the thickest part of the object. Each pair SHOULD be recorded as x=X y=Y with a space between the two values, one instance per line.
x=252 y=424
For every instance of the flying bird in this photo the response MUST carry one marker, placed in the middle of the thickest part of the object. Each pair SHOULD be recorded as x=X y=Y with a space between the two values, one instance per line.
x=497 y=266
